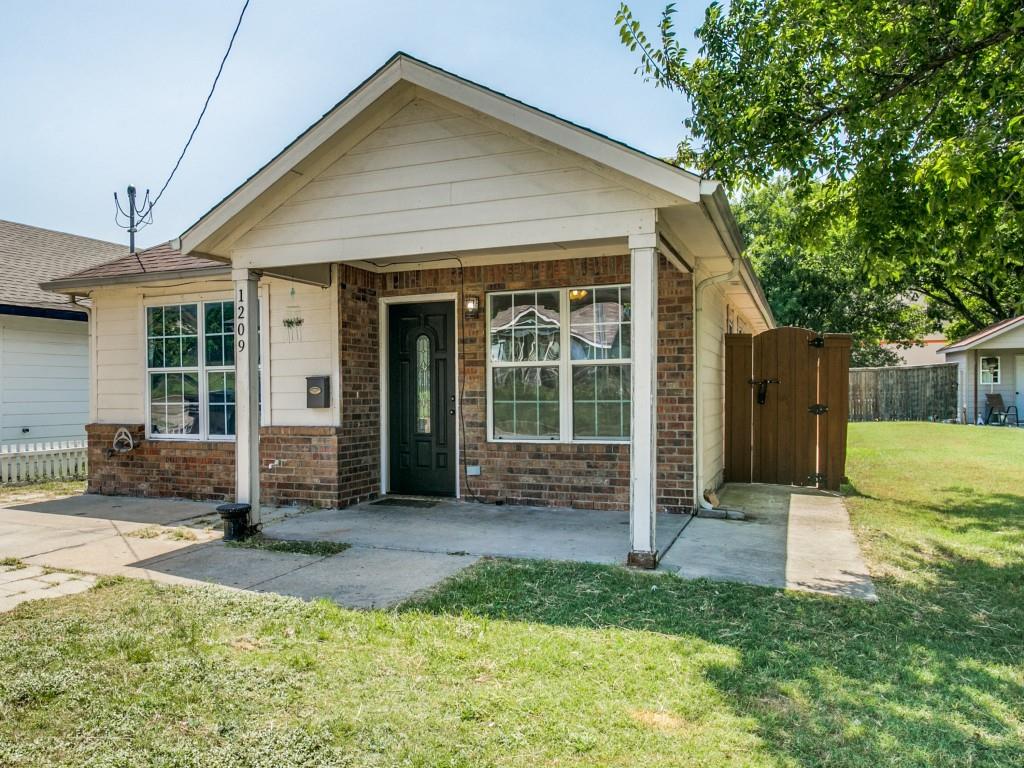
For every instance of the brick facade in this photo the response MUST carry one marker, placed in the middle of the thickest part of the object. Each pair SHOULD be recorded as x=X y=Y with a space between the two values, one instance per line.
x=587 y=476
x=304 y=460
x=329 y=466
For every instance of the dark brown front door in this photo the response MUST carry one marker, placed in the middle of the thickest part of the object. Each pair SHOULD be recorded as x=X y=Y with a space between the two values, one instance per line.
x=421 y=398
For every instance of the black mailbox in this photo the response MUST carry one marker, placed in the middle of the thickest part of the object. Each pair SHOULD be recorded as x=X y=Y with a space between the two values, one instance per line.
x=318 y=391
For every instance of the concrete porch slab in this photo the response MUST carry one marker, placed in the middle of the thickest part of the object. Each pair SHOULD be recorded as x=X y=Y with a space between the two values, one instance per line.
x=792 y=538
x=396 y=550
x=484 y=530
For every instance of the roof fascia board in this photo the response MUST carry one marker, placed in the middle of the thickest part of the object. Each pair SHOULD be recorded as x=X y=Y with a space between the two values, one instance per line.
x=983 y=338
x=51 y=313
x=604 y=151
x=73 y=285
x=753 y=285
x=717 y=206
x=344 y=112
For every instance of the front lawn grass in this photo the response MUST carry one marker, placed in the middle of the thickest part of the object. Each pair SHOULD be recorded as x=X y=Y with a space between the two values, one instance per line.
x=538 y=663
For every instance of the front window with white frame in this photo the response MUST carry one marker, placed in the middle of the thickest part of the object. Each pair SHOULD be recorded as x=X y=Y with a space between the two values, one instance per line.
x=989 y=370
x=190 y=370
x=559 y=364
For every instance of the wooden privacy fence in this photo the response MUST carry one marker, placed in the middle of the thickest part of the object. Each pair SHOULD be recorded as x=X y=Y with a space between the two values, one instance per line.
x=917 y=393
x=785 y=407
x=23 y=462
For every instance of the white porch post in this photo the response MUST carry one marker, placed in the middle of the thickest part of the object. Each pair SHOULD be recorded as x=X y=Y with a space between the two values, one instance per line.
x=643 y=497
x=247 y=390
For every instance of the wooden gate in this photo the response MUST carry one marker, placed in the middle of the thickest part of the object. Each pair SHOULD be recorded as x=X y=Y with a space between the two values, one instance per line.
x=786 y=400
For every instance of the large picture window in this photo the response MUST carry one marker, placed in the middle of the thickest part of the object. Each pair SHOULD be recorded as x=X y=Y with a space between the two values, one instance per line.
x=190 y=367
x=559 y=364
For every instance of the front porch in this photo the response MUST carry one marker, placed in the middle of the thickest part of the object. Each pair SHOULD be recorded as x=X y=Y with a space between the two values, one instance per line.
x=446 y=526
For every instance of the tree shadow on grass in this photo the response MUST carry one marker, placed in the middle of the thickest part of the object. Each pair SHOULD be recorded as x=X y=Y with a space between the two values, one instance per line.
x=929 y=676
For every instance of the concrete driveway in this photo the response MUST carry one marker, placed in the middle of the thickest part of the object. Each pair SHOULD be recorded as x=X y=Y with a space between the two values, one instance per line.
x=396 y=550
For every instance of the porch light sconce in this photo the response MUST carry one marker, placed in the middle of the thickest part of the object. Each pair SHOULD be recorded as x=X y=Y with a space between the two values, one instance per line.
x=472 y=307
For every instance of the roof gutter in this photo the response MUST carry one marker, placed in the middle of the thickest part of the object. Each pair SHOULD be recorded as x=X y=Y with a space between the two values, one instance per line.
x=75 y=285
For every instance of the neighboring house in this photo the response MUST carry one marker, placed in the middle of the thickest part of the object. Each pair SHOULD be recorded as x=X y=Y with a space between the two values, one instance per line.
x=44 y=337
x=459 y=294
x=990 y=361
x=926 y=351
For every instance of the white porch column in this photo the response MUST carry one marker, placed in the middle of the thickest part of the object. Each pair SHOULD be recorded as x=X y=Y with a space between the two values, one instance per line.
x=247 y=390
x=643 y=495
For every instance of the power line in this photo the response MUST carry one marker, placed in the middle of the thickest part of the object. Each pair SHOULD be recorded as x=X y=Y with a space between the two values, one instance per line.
x=205 y=105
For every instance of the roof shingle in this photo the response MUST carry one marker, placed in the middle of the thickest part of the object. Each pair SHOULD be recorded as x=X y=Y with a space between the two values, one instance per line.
x=159 y=258
x=32 y=255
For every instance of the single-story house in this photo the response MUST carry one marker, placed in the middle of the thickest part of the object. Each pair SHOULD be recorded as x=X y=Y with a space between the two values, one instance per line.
x=44 y=337
x=990 y=362
x=456 y=294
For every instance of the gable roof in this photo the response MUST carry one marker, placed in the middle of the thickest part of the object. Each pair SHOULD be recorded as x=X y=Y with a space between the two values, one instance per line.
x=678 y=184
x=985 y=335
x=30 y=255
x=162 y=261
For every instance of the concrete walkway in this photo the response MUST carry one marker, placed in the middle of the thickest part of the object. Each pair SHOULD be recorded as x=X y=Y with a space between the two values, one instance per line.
x=794 y=538
x=21 y=583
x=396 y=550
x=171 y=541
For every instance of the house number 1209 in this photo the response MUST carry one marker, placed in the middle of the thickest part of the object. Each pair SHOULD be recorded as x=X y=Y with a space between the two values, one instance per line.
x=239 y=324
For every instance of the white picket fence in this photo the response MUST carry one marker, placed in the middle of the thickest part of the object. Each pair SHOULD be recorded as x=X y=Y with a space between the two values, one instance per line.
x=25 y=462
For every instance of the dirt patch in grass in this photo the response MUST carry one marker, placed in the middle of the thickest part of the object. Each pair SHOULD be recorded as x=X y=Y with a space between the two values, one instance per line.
x=21 y=493
x=297 y=547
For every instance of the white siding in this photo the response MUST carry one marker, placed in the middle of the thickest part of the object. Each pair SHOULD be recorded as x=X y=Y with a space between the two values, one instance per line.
x=712 y=376
x=44 y=379
x=973 y=392
x=428 y=170
x=309 y=349
x=714 y=324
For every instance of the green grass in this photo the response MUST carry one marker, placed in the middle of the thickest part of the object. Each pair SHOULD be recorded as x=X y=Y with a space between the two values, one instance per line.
x=316 y=548
x=13 y=493
x=533 y=664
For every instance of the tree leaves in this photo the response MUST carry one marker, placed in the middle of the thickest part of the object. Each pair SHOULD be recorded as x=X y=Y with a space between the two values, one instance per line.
x=915 y=111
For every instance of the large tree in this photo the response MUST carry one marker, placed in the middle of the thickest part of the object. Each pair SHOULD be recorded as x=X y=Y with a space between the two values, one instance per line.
x=816 y=282
x=907 y=117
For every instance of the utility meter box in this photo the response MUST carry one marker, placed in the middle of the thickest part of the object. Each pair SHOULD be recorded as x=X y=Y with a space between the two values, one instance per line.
x=318 y=391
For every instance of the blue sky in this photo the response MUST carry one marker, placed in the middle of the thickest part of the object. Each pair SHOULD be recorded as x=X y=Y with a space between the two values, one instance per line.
x=102 y=94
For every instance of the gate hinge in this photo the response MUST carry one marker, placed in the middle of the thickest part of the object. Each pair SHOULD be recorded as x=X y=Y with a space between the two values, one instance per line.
x=818 y=409
x=817 y=341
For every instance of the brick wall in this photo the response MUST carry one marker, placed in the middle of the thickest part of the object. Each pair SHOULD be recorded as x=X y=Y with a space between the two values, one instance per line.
x=359 y=447
x=305 y=466
x=579 y=475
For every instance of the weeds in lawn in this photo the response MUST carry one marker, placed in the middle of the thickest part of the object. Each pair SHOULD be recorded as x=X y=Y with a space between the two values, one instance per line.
x=316 y=548
x=539 y=663
x=170 y=533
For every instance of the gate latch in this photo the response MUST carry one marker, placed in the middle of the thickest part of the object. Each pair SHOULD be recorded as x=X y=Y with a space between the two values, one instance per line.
x=817 y=341
x=818 y=409
x=762 y=389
